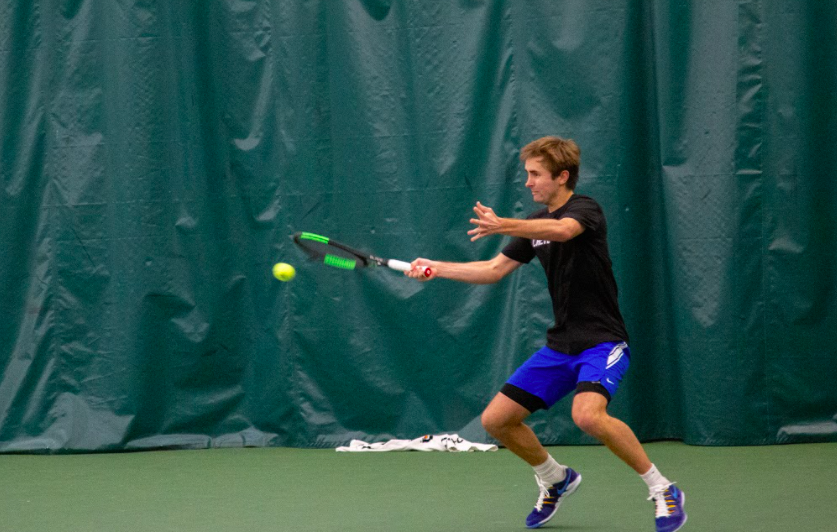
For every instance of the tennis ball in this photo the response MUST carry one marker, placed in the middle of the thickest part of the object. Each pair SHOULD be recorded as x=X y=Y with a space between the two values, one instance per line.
x=283 y=271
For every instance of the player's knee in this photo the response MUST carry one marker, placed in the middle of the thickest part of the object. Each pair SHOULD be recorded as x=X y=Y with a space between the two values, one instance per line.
x=588 y=420
x=590 y=413
x=492 y=423
x=489 y=422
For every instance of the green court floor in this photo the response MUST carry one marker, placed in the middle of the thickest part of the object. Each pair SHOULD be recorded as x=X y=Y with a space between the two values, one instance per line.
x=735 y=489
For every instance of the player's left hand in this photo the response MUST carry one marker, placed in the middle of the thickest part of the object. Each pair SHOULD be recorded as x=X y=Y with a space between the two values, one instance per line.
x=487 y=222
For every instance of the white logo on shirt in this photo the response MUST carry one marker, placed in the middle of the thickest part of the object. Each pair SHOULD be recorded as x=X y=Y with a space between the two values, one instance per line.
x=539 y=243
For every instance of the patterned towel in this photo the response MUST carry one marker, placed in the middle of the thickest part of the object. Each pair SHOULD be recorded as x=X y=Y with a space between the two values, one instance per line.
x=439 y=442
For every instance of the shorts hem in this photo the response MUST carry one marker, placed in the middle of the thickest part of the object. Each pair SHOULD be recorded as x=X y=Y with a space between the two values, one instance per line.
x=527 y=400
x=589 y=386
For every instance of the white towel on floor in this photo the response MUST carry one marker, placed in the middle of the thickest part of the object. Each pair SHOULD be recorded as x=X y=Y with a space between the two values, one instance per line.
x=439 y=442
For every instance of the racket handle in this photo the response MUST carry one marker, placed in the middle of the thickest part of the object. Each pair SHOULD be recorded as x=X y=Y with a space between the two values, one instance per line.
x=402 y=266
x=399 y=265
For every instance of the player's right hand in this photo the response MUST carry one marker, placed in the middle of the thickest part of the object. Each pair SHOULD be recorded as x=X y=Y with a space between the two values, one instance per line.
x=420 y=269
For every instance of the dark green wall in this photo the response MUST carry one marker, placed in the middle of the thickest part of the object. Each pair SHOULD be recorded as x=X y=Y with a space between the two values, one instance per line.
x=156 y=156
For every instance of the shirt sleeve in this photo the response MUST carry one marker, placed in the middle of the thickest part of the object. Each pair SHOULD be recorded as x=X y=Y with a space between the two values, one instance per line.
x=586 y=212
x=520 y=249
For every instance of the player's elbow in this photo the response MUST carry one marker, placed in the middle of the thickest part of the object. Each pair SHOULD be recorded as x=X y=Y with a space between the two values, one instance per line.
x=562 y=235
x=497 y=269
x=566 y=230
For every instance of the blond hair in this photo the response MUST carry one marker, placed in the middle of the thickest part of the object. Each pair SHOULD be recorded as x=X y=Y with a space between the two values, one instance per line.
x=558 y=155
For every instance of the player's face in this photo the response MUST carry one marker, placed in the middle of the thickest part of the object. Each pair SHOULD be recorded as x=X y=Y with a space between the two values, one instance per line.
x=540 y=182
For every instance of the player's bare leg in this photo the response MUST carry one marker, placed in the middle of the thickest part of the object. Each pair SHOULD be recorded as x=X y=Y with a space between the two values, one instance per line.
x=590 y=414
x=503 y=419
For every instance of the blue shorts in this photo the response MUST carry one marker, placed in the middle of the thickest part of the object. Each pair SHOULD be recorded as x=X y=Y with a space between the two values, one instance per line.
x=549 y=375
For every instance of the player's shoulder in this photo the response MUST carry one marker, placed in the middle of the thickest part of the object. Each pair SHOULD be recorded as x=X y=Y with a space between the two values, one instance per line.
x=587 y=212
x=582 y=201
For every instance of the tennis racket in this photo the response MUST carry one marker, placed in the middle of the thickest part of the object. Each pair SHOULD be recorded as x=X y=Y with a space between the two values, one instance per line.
x=338 y=255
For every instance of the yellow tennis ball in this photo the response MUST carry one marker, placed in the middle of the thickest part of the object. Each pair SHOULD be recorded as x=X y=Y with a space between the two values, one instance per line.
x=283 y=271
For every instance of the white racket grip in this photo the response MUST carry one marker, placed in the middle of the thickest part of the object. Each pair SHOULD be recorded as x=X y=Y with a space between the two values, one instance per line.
x=402 y=266
x=399 y=265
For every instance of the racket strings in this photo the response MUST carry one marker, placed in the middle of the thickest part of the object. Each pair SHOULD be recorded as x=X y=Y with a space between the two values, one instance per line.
x=339 y=262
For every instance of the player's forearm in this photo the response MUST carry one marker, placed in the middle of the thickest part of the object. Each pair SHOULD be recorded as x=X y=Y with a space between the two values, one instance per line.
x=542 y=229
x=478 y=272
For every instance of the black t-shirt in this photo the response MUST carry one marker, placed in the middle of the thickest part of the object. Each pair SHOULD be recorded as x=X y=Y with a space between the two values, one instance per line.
x=580 y=279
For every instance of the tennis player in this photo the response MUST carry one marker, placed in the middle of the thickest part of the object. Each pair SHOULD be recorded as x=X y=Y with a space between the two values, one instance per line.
x=586 y=349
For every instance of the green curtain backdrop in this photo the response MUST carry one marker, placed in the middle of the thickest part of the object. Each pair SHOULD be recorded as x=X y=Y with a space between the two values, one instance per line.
x=156 y=156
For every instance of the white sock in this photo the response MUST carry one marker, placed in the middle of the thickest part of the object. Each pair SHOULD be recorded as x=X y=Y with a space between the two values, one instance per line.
x=551 y=471
x=654 y=478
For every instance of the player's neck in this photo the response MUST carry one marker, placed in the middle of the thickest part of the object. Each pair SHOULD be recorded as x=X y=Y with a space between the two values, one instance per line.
x=560 y=199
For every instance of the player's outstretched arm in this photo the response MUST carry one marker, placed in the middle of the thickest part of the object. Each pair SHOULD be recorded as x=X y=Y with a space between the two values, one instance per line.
x=477 y=272
x=488 y=223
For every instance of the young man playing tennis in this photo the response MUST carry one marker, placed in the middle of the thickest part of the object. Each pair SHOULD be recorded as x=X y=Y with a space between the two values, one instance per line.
x=586 y=348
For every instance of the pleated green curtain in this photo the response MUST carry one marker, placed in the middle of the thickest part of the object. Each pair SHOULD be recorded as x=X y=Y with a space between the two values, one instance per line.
x=157 y=155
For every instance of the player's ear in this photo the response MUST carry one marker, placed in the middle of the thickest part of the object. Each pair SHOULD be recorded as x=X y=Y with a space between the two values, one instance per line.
x=563 y=177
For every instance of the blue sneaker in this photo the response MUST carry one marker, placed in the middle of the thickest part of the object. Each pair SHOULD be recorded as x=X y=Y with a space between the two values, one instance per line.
x=551 y=497
x=669 y=501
